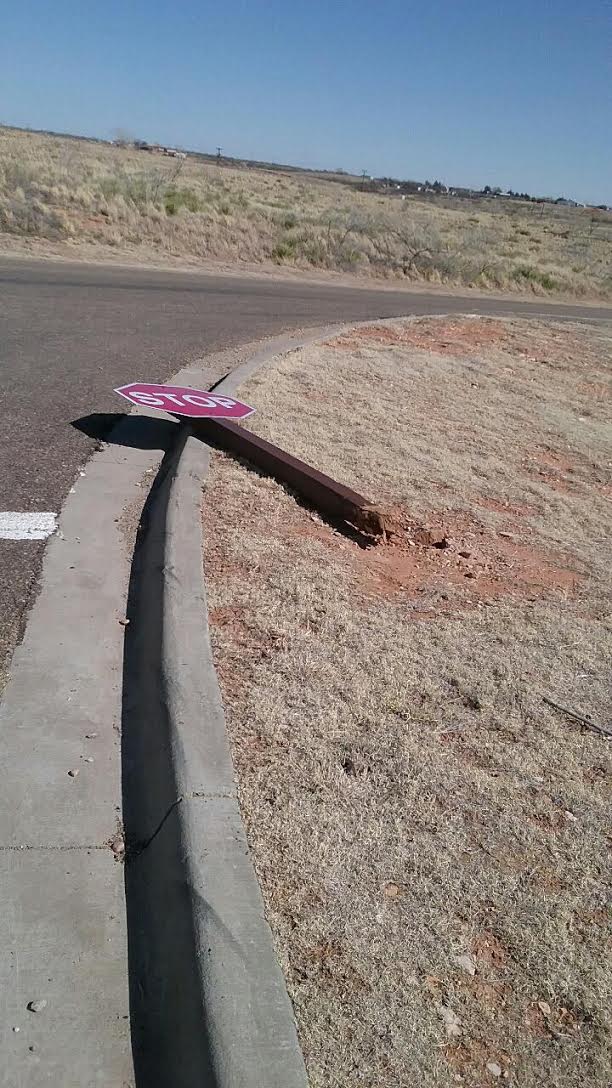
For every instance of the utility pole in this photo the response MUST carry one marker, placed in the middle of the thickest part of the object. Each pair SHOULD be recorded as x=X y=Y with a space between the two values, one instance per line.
x=219 y=150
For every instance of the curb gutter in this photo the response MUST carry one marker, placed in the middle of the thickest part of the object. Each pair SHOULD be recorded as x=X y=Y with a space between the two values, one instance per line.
x=208 y=1000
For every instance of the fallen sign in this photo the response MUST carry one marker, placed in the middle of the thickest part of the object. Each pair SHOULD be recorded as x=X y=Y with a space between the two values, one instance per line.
x=327 y=495
x=182 y=401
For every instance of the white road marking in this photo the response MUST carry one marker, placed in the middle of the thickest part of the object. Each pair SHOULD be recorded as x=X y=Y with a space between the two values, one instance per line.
x=37 y=526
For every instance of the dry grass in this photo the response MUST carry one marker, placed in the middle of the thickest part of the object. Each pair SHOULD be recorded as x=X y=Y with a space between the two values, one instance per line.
x=430 y=838
x=82 y=193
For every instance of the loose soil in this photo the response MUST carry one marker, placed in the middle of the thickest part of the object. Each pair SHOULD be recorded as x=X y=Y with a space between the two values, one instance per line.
x=431 y=838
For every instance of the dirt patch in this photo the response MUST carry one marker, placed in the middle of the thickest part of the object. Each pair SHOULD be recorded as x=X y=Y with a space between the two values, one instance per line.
x=510 y=509
x=430 y=836
x=460 y=336
x=452 y=563
x=453 y=337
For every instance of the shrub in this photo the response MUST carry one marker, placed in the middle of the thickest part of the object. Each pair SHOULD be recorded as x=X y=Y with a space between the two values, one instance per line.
x=313 y=250
x=139 y=188
x=175 y=199
x=526 y=273
x=284 y=250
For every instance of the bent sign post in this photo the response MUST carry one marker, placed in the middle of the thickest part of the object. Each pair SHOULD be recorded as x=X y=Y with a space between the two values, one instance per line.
x=182 y=401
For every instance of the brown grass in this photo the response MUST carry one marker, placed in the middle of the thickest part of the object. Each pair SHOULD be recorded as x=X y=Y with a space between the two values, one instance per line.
x=431 y=839
x=82 y=194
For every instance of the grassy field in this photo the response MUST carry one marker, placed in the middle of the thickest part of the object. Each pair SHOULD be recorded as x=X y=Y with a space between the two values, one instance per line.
x=70 y=195
x=432 y=838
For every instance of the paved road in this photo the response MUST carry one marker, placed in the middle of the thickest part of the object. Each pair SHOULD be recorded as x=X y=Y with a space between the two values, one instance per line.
x=69 y=333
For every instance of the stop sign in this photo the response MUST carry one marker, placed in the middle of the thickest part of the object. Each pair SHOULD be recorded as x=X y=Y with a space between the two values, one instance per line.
x=183 y=401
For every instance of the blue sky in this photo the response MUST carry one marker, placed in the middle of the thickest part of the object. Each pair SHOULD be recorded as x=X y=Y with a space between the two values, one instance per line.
x=469 y=91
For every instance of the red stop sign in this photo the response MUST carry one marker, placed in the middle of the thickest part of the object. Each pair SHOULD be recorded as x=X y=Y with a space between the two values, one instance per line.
x=183 y=401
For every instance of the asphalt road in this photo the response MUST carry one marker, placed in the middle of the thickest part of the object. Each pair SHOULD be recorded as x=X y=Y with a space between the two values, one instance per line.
x=70 y=333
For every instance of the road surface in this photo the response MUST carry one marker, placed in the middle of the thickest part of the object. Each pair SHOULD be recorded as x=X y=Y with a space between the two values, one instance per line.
x=70 y=333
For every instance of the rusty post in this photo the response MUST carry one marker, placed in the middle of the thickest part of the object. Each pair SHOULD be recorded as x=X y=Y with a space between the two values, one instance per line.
x=324 y=493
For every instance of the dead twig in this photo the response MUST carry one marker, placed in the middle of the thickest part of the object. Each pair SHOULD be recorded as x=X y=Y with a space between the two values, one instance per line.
x=580 y=718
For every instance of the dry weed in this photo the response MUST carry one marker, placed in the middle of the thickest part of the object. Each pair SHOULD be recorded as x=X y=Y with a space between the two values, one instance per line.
x=83 y=192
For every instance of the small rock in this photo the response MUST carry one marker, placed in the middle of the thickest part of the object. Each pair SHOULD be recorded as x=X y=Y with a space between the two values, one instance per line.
x=117 y=845
x=544 y=1007
x=392 y=890
x=37 y=1006
x=507 y=536
x=469 y=574
x=494 y=1069
x=16 y=1030
x=451 y=1021
x=466 y=962
x=465 y=555
x=570 y=816
x=430 y=538
x=124 y=623
x=74 y=772
x=87 y=759
x=32 y=1048
x=90 y=736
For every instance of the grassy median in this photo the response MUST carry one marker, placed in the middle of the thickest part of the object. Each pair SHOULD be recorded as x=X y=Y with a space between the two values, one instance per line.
x=431 y=837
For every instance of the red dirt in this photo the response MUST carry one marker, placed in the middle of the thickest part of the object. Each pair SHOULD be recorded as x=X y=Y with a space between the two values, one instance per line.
x=468 y=565
x=550 y=458
x=490 y=994
x=551 y=467
x=488 y=950
x=444 y=337
x=535 y=1021
x=468 y=1060
x=502 y=506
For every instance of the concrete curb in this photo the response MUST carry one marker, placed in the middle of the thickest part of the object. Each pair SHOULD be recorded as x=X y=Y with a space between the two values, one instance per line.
x=208 y=1000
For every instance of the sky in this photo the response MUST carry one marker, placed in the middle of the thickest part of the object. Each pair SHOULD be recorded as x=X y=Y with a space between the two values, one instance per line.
x=470 y=92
